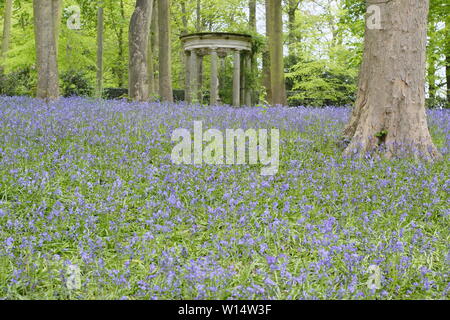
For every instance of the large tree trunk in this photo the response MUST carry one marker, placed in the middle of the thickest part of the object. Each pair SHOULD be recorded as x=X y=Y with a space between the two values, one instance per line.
x=390 y=106
x=100 y=28
x=165 y=77
x=138 y=50
x=276 y=53
x=46 y=27
x=6 y=32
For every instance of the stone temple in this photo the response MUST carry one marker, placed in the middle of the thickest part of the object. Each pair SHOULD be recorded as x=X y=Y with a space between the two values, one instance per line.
x=218 y=45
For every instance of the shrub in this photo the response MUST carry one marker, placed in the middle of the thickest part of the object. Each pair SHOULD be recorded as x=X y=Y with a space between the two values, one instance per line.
x=18 y=83
x=76 y=83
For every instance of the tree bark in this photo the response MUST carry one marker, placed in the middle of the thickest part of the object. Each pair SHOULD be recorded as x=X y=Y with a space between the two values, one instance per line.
x=165 y=77
x=431 y=71
x=266 y=56
x=6 y=31
x=46 y=26
x=276 y=53
x=184 y=55
x=292 y=38
x=117 y=69
x=153 y=53
x=252 y=15
x=138 y=50
x=390 y=105
x=447 y=56
x=198 y=22
x=254 y=63
x=100 y=29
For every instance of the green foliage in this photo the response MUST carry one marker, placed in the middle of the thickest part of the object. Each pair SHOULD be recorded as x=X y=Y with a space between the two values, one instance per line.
x=438 y=103
x=76 y=83
x=323 y=70
x=321 y=67
x=21 y=82
x=318 y=82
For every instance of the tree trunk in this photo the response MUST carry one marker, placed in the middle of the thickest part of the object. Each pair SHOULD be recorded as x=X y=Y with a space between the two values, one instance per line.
x=165 y=77
x=276 y=53
x=198 y=23
x=150 y=68
x=252 y=15
x=100 y=29
x=117 y=69
x=431 y=72
x=184 y=58
x=390 y=105
x=46 y=25
x=447 y=56
x=6 y=32
x=253 y=62
x=266 y=56
x=138 y=50
x=153 y=53
x=292 y=39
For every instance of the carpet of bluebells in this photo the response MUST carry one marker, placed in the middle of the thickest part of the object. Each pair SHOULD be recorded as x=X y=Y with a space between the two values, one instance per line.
x=91 y=183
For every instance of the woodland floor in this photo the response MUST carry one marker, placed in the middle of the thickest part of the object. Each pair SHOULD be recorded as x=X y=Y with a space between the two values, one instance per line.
x=91 y=184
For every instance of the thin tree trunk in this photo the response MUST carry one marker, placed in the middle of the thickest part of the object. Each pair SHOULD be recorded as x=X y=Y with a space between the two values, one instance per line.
x=266 y=56
x=252 y=15
x=198 y=28
x=253 y=63
x=185 y=61
x=276 y=54
x=153 y=83
x=100 y=29
x=292 y=38
x=46 y=21
x=390 y=106
x=431 y=72
x=138 y=50
x=447 y=56
x=198 y=23
x=117 y=69
x=165 y=77
x=6 y=32
x=150 y=68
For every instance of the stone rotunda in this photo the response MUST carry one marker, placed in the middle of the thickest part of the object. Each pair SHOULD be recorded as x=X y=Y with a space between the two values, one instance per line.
x=218 y=45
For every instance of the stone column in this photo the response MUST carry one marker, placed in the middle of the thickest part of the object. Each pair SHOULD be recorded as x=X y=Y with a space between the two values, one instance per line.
x=222 y=55
x=248 y=90
x=193 y=77
x=237 y=78
x=242 y=91
x=187 y=80
x=214 y=90
x=200 y=55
